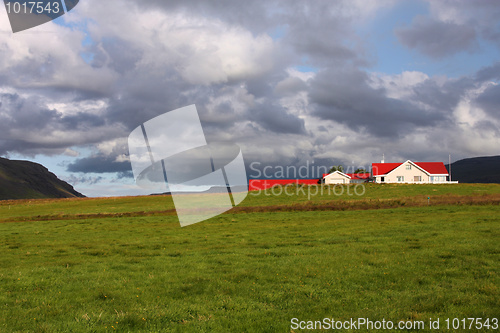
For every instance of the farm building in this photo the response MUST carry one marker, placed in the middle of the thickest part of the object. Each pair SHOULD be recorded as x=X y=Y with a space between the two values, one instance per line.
x=405 y=173
x=336 y=177
x=357 y=178
x=410 y=172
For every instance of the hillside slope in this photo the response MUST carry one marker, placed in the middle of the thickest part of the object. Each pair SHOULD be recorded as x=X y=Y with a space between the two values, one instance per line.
x=28 y=180
x=476 y=170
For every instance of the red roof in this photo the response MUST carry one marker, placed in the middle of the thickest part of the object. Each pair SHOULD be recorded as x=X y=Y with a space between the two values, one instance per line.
x=262 y=184
x=383 y=168
x=358 y=175
x=433 y=168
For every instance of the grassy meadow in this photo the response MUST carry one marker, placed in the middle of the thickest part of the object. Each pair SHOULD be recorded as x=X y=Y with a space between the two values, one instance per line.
x=125 y=264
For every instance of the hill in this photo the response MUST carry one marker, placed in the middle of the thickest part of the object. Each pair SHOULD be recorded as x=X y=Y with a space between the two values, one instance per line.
x=28 y=180
x=476 y=170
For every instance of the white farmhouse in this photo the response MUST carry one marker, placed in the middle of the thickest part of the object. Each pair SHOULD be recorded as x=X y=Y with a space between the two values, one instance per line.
x=410 y=172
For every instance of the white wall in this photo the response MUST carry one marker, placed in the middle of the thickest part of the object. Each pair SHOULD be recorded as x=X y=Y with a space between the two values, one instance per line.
x=336 y=178
x=408 y=175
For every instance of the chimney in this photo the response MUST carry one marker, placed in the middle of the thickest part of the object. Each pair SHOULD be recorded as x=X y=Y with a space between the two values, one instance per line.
x=383 y=159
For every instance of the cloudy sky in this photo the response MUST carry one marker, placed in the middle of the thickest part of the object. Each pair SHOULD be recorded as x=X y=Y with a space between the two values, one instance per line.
x=293 y=83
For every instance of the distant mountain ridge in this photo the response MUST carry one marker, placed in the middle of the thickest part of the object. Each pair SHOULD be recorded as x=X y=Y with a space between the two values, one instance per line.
x=28 y=180
x=476 y=170
x=211 y=190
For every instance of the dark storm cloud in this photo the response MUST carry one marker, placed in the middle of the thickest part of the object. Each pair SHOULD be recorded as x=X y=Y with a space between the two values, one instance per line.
x=483 y=15
x=120 y=55
x=438 y=39
x=99 y=164
x=19 y=118
x=489 y=73
x=493 y=34
x=489 y=101
x=145 y=93
x=81 y=120
x=27 y=71
x=290 y=86
x=316 y=30
x=113 y=158
x=17 y=112
x=264 y=85
x=443 y=97
x=26 y=124
x=485 y=126
x=346 y=97
x=277 y=120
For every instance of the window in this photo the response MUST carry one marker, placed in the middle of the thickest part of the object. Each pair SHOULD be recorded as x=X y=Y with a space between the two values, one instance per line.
x=400 y=179
x=408 y=167
x=417 y=178
x=382 y=179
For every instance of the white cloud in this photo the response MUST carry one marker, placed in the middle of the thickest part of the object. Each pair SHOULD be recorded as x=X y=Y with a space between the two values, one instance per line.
x=202 y=50
x=466 y=113
x=399 y=85
x=49 y=56
x=74 y=107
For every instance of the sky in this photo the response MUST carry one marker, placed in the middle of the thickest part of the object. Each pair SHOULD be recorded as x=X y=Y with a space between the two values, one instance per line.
x=293 y=83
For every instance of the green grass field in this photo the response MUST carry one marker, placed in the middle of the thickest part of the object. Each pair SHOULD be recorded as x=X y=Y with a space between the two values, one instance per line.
x=125 y=265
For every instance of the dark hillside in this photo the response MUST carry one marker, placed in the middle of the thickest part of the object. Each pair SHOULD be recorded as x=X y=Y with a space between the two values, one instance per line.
x=28 y=180
x=476 y=170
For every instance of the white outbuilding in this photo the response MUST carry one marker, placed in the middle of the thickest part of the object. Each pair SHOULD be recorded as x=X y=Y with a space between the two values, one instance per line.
x=337 y=177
